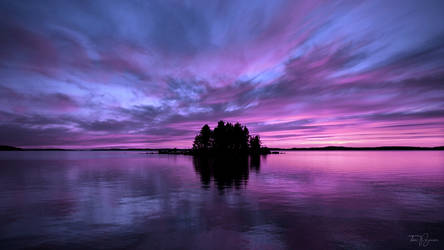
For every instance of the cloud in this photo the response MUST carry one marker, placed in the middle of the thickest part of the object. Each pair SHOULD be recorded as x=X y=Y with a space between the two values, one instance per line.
x=152 y=73
x=23 y=102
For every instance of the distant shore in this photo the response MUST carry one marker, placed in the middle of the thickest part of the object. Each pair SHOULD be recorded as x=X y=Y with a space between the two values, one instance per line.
x=339 y=148
x=187 y=151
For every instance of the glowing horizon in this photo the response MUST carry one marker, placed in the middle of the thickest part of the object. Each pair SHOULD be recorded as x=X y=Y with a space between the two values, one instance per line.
x=151 y=74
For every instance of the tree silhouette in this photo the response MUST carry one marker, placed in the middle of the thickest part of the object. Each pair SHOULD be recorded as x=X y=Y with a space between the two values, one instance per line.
x=227 y=138
x=204 y=140
x=255 y=144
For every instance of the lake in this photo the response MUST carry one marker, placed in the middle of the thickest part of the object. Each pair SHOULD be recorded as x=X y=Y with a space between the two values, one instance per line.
x=295 y=200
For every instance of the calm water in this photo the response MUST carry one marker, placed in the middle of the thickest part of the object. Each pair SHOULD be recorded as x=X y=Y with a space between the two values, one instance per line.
x=296 y=200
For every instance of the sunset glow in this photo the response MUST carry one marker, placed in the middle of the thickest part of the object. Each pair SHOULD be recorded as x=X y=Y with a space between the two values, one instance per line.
x=149 y=74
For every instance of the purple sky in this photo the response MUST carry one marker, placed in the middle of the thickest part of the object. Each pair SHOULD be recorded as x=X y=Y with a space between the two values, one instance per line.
x=151 y=73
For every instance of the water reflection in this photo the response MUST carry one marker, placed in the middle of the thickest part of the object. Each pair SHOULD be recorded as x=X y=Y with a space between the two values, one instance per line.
x=226 y=172
x=296 y=200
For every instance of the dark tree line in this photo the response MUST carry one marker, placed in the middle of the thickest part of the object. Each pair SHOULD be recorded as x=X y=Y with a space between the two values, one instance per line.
x=227 y=138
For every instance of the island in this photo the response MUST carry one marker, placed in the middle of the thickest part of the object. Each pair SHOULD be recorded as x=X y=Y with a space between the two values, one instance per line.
x=224 y=139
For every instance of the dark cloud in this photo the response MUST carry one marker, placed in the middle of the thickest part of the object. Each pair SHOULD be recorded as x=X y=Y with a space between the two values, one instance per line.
x=57 y=102
x=396 y=116
x=14 y=134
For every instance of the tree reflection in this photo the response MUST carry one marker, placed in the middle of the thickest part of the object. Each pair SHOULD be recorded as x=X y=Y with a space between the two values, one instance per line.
x=225 y=172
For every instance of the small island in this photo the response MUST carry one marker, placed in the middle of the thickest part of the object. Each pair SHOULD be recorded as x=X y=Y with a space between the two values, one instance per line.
x=225 y=139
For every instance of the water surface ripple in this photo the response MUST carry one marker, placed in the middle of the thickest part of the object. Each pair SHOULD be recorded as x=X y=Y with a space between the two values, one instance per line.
x=296 y=200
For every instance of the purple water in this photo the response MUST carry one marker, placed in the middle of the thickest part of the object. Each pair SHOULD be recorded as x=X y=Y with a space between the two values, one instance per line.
x=296 y=200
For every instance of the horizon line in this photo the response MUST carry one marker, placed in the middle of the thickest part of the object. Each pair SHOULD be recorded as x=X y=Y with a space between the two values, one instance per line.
x=8 y=147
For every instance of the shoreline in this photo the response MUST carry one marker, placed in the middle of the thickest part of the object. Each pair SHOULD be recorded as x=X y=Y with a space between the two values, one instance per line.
x=273 y=150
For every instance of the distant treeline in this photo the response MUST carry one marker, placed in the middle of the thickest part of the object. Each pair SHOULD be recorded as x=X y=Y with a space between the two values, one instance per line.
x=341 y=148
x=264 y=149
x=9 y=148
x=227 y=138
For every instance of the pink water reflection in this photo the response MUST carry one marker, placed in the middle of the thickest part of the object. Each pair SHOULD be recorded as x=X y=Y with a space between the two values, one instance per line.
x=380 y=184
x=307 y=199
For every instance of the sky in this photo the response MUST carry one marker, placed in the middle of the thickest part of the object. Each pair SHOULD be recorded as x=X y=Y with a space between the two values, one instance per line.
x=308 y=73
